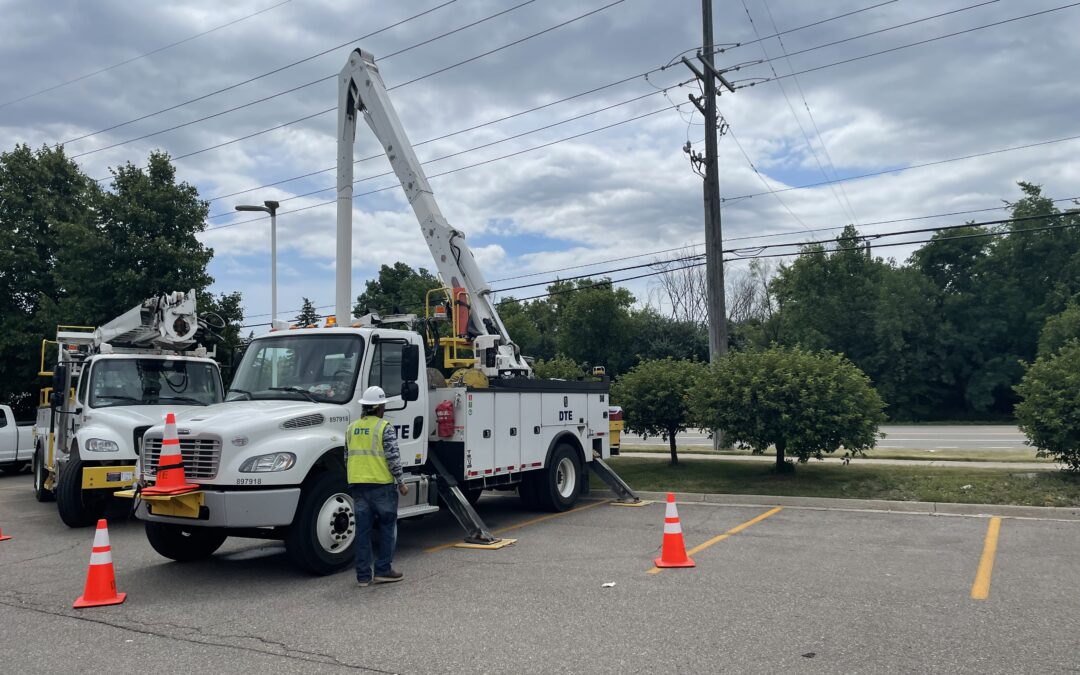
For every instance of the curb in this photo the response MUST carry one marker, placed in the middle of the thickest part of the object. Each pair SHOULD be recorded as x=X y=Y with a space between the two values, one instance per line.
x=926 y=508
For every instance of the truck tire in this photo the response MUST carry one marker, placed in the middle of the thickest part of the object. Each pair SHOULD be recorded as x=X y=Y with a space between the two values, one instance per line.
x=320 y=539
x=184 y=544
x=472 y=495
x=78 y=507
x=558 y=486
x=40 y=475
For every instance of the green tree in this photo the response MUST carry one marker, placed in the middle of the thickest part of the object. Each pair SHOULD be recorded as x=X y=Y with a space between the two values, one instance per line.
x=308 y=314
x=655 y=398
x=558 y=368
x=397 y=289
x=593 y=323
x=652 y=336
x=1049 y=410
x=1059 y=329
x=803 y=403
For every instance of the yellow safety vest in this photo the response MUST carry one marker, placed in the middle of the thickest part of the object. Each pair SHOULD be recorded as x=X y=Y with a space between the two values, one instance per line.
x=366 y=459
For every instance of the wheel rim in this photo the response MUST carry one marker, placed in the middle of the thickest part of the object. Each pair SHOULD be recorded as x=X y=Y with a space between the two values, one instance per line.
x=335 y=526
x=565 y=478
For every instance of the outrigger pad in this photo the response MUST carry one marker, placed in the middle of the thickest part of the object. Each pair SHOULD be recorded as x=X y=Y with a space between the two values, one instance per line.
x=501 y=543
x=640 y=502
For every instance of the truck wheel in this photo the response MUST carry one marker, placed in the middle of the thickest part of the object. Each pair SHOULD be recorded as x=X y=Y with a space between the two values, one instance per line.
x=559 y=485
x=184 y=544
x=78 y=507
x=320 y=538
x=40 y=474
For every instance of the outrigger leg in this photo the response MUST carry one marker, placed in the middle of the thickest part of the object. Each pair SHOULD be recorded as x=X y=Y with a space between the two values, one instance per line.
x=624 y=492
x=478 y=535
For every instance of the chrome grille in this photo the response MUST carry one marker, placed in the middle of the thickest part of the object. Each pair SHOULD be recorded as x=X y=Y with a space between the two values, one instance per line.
x=201 y=456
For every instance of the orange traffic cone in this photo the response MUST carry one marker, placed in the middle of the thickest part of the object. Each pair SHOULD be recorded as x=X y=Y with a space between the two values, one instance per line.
x=170 y=471
x=673 y=553
x=4 y=537
x=100 y=580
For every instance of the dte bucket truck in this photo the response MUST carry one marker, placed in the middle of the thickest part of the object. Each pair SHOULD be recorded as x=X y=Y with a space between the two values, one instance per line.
x=109 y=385
x=270 y=459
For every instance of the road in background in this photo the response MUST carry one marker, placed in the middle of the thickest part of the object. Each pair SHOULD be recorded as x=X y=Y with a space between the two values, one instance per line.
x=951 y=437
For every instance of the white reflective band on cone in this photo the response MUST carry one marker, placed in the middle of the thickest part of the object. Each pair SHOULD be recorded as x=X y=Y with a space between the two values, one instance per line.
x=672 y=528
x=670 y=511
x=101 y=538
x=103 y=558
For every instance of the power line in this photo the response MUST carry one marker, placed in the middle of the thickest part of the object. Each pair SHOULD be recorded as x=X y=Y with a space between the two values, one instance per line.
x=397 y=86
x=901 y=47
x=472 y=149
x=806 y=137
x=142 y=56
x=740 y=255
x=912 y=166
x=258 y=77
x=463 y=168
x=810 y=114
x=757 y=173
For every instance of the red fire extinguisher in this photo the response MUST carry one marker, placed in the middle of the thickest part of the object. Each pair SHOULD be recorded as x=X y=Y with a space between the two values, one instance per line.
x=444 y=419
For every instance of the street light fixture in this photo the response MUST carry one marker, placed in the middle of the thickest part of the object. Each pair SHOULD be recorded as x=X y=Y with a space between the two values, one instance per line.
x=271 y=208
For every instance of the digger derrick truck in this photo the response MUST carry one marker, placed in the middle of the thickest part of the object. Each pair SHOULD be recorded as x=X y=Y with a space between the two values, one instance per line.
x=270 y=460
x=109 y=385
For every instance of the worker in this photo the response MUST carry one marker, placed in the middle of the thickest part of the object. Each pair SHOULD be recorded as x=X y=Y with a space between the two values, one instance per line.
x=373 y=464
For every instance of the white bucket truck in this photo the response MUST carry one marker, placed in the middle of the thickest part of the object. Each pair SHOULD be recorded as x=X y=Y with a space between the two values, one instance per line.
x=270 y=459
x=109 y=385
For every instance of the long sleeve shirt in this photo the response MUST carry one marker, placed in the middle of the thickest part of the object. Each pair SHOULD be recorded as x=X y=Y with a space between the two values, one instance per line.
x=392 y=452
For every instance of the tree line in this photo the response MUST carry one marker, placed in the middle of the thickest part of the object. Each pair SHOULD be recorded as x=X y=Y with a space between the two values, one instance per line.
x=73 y=252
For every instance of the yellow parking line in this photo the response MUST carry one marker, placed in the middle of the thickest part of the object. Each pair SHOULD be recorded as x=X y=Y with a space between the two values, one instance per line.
x=534 y=521
x=980 y=590
x=721 y=537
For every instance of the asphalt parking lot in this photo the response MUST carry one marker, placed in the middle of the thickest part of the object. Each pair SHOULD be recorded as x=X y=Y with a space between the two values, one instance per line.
x=796 y=590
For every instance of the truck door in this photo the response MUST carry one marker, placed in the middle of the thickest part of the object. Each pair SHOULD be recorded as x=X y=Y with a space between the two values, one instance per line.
x=9 y=435
x=384 y=370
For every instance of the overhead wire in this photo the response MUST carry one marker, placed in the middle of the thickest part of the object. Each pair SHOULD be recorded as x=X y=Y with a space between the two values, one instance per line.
x=114 y=66
x=397 y=86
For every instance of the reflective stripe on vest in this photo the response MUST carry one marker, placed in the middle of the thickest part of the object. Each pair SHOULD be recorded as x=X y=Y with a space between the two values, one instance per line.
x=366 y=459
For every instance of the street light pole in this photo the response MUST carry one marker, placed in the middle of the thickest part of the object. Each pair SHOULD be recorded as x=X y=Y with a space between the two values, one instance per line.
x=270 y=207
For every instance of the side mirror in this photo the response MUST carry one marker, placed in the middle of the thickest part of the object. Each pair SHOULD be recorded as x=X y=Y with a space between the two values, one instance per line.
x=410 y=391
x=59 y=385
x=410 y=365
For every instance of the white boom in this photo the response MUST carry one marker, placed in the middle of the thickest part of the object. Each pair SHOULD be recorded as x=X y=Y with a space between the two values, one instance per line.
x=167 y=321
x=361 y=89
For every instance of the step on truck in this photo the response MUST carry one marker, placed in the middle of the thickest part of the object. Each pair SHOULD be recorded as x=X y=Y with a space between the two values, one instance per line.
x=108 y=386
x=469 y=415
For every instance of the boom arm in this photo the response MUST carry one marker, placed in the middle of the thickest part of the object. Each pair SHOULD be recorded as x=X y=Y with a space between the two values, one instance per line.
x=361 y=89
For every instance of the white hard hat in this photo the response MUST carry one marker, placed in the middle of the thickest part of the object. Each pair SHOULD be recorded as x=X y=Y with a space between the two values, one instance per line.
x=373 y=396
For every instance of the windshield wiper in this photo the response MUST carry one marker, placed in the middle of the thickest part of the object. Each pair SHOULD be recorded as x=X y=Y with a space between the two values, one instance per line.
x=241 y=391
x=119 y=398
x=186 y=399
x=297 y=390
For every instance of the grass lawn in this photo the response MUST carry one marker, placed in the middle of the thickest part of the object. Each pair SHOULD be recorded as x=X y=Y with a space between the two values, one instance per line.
x=916 y=483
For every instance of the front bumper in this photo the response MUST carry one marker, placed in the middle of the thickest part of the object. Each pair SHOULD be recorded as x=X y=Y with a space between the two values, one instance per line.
x=108 y=477
x=256 y=508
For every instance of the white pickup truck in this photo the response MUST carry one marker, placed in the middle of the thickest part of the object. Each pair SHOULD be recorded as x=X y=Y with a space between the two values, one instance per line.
x=16 y=442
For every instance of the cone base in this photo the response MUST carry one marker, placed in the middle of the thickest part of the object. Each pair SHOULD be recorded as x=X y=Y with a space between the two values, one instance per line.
x=5 y=537
x=659 y=562
x=83 y=602
x=174 y=490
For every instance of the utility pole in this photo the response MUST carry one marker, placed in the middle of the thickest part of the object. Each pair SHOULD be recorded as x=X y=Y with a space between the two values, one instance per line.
x=714 y=240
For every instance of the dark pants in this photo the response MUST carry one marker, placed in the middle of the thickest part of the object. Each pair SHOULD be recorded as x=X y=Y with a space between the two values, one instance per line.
x=371 y=502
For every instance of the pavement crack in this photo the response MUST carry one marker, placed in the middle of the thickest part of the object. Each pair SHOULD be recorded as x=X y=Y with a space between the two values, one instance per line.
x=46 y=555
x=13 y=600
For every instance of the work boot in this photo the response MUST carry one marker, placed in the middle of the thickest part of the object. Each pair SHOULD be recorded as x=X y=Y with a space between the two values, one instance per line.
x=363 y=583
x=389 y=578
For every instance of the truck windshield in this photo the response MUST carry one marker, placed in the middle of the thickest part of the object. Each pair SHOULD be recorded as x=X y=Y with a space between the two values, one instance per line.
x=117 y=382
x=303 y=367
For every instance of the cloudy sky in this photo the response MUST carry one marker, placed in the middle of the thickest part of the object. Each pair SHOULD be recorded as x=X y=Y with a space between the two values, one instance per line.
x=604 y=194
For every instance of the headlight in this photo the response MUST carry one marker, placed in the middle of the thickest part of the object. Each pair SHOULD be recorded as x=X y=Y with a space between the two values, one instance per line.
x=101 y=445
x=275 y=461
